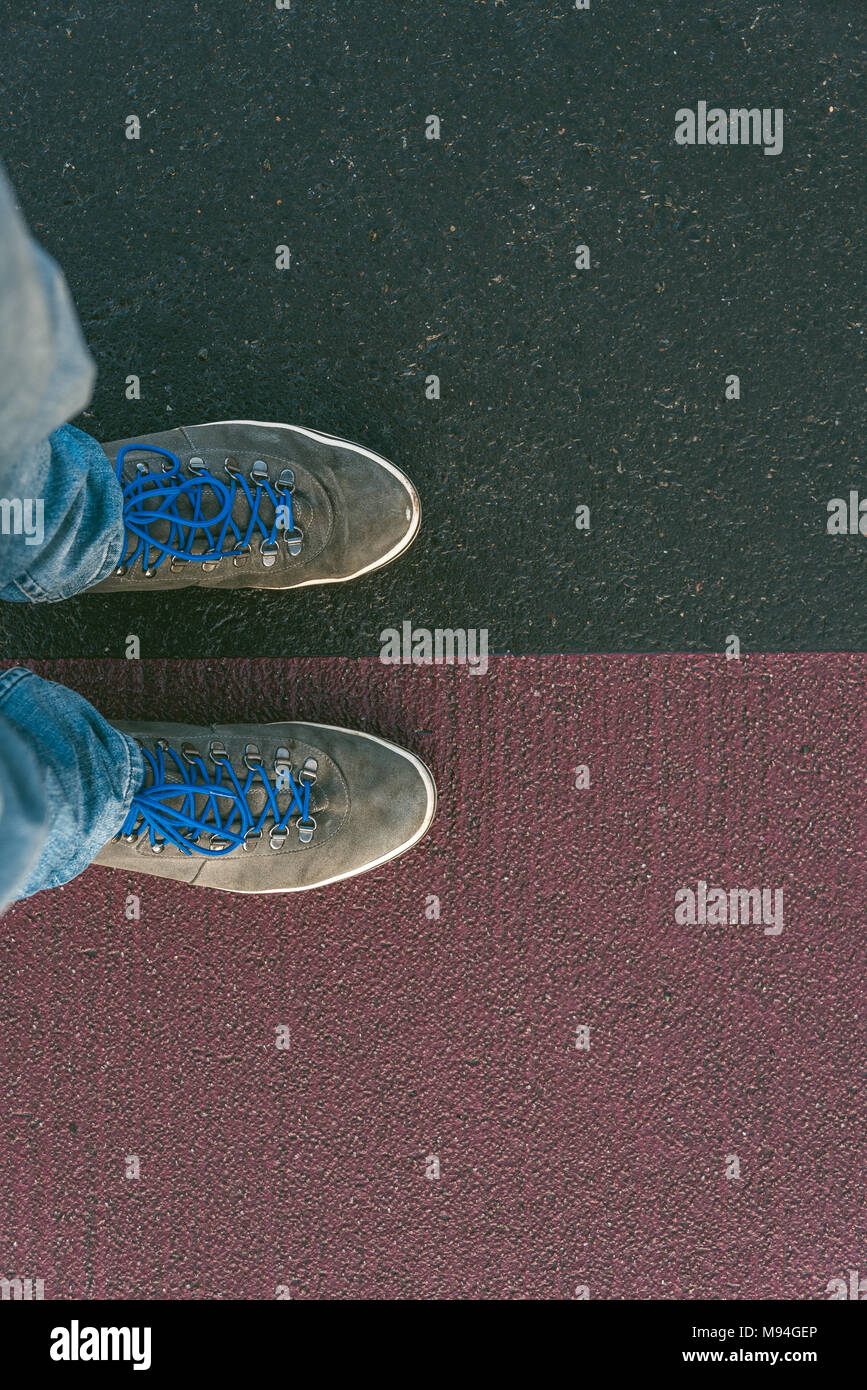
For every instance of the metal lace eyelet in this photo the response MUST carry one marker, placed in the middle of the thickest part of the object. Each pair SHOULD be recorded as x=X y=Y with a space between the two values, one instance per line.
x=252 y=757
x=251 y=840
x=269 y=550
x=293 y=540
x=217 y=751
x=157 y=846
x=277 y=837
x=281 y=760
x=121 y=571
x=177 y=565
x=216 y=841
x=306 y=829
x=141 y=467
x=196 y=465
x=232 y=467
x=286 y=480
x=309 y=770
x=238 y=560
x=190 y=753
x=259 y=472
x=149 y=573
x=167 y=466
x=208 y=566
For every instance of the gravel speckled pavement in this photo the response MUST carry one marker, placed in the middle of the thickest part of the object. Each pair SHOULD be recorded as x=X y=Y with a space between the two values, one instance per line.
x=415 y=1038
x=455 y=258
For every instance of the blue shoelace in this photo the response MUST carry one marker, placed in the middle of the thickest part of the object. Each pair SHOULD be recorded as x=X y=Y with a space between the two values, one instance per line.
x=166 y=809
x=159 y=497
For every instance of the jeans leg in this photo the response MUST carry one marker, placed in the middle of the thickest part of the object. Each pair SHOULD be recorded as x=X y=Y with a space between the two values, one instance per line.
x=87 y=772
x=79 y=531
x=61 y=513
x=23 y=812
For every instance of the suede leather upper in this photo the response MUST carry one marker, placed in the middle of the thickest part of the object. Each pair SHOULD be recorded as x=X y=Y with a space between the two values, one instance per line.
x=356 y=510
x=371 y=801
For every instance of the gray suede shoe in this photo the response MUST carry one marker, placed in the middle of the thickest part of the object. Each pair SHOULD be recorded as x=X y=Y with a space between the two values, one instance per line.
x=269 y=808
x=244 y=505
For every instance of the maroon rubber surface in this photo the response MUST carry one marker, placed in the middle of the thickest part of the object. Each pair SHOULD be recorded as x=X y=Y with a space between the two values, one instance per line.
x=456 y=1037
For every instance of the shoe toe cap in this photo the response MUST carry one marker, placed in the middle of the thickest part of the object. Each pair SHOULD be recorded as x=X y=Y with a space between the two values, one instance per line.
x=393 y=801
x=377 y=509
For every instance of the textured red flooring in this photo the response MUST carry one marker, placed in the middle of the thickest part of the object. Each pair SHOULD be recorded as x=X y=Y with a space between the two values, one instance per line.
x=410 y=1037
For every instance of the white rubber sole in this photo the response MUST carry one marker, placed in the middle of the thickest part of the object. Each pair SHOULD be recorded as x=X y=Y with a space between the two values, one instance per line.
x=413 y=499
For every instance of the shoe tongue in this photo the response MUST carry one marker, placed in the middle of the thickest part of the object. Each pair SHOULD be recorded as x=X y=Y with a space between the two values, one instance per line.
x=311 y=505
x=312 y=512
x=257 y=794
x=204 y=505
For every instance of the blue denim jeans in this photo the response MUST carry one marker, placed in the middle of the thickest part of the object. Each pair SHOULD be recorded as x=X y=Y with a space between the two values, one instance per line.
x=66 y=777
x=70 y=777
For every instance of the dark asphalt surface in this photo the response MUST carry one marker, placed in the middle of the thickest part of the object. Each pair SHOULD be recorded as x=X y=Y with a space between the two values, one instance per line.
x=456 y=1037
x=413 y=257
